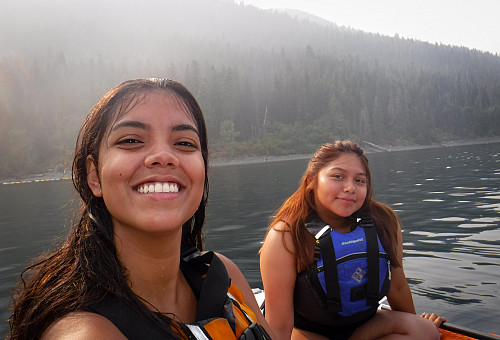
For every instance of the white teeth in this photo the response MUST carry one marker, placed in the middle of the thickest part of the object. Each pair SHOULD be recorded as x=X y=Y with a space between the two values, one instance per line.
x=158 y=187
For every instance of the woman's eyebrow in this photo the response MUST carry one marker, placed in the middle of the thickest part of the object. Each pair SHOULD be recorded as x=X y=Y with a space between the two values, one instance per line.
x=130 y=123
x=335 y=168
x=143 y=126
x=184 y=127
x=344 y=170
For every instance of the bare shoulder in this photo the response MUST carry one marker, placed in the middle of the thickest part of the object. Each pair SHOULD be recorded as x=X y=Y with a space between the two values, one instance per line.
x=233 y=271
x=278 y=262
x=278 y=240
x=281 y=227
x=82 y=326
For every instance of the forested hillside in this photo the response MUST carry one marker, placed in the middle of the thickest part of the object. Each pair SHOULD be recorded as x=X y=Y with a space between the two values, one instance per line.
x=270 y=83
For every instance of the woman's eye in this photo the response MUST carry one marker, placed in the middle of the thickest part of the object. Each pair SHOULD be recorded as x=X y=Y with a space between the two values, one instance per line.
x=337 y=176
x=187 y=144
x=128 y=141
x=361 y=180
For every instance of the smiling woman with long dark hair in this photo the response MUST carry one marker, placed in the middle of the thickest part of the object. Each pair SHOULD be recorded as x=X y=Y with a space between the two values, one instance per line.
x=131 y=266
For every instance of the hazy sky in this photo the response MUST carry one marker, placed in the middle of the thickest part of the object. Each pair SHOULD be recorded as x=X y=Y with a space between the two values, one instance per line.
x=469 y=23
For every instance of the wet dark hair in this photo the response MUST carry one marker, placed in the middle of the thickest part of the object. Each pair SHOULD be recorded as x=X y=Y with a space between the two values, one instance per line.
x=85 y=267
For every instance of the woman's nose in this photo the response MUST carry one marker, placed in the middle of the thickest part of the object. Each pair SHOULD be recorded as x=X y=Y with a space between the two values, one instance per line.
x=349 y=186
x=162 y=156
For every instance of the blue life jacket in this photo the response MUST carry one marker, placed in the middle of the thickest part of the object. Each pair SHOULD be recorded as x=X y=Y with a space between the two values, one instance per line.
x=353 y=268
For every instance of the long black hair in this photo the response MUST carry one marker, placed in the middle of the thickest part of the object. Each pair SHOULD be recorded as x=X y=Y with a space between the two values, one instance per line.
x=85 y=267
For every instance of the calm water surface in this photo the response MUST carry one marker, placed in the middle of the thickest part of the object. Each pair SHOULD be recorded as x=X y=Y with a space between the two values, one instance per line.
x=448 y=200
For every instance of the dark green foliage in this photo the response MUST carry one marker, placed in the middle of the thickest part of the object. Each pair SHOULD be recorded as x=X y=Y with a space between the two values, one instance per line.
x=269 y=84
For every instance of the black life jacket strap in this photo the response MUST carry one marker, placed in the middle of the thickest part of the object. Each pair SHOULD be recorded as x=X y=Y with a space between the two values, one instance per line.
x=372 y=291
x=213 y=290
x=131 y=322
x=331 y=274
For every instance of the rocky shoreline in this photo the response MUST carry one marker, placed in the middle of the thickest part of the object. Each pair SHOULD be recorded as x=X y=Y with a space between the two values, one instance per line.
x=215 y=162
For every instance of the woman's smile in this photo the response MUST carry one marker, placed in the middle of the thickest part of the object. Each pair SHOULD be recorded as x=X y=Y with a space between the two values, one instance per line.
x=158 y=187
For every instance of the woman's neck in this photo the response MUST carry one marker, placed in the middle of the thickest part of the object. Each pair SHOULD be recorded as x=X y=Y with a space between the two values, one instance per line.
x=339 y=224
x=153 y=273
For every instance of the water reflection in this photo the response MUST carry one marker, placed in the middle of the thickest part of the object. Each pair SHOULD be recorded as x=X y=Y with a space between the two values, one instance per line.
x=448 y=200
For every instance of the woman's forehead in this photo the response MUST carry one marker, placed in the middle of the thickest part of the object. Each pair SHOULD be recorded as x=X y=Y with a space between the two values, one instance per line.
x=131 y=102
x=345 y=159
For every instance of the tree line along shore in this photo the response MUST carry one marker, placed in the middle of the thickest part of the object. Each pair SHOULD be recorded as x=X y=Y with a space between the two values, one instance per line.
x=215 y=162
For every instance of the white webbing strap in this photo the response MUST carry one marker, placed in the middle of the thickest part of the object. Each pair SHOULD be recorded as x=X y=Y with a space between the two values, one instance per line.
x=322 y=231
x=197 y=332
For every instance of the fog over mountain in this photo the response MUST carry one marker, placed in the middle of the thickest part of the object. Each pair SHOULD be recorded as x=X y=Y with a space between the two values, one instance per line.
x=269 y=82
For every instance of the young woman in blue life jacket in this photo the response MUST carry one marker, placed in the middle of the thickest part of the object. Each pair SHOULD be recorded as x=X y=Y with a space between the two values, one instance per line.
x=131 y=266
x=331 y=252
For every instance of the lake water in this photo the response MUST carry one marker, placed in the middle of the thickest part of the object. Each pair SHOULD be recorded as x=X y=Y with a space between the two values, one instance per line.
x=448 y=199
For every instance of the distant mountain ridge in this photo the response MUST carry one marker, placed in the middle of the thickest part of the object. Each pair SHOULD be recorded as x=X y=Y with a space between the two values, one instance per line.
x=302 y=15
x=270 y=82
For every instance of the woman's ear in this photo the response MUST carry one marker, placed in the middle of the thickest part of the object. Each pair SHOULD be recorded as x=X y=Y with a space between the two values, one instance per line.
x=93 y=177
